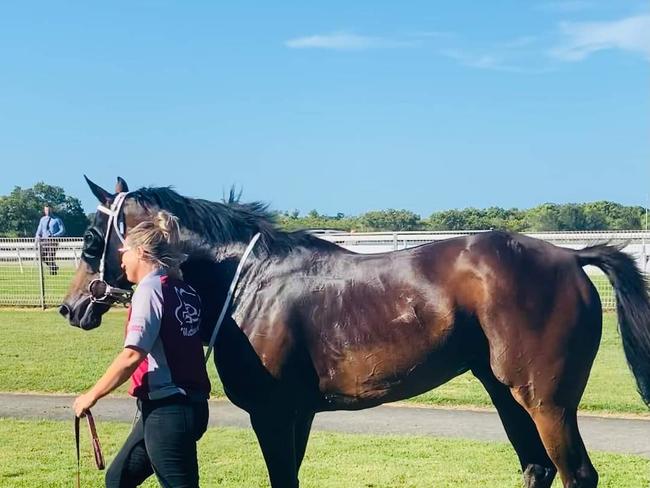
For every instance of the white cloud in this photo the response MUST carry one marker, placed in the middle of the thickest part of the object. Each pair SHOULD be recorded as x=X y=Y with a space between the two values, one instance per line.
x=584 y=38
x=343 y=41
x=489 y=61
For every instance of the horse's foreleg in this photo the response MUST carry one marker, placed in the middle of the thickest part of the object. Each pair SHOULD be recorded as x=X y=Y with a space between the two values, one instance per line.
x=537 y=467
x=275 y=430
x=302 y=429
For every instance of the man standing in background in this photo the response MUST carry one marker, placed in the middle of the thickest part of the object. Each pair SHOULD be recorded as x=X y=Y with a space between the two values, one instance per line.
x=49 y=226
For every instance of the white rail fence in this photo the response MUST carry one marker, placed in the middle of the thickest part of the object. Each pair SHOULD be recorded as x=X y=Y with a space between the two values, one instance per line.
x=37 y=274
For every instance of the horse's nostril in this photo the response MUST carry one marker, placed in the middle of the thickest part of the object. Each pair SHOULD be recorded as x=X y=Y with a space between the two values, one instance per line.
x=64 y=310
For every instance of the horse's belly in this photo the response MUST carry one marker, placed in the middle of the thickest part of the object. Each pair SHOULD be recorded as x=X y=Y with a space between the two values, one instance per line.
x=367 y=379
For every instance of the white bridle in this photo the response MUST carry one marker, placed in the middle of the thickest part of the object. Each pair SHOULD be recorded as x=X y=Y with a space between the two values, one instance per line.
x=113 y=223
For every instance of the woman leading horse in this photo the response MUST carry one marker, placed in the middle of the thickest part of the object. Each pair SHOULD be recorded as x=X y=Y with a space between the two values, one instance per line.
x=163 y=356
x=315 y=327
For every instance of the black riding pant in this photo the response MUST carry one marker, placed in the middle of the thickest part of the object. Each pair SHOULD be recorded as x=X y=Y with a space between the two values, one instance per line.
x=163 y=441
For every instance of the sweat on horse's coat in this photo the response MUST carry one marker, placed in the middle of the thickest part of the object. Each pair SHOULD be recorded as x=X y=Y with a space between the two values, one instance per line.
x=315 y=327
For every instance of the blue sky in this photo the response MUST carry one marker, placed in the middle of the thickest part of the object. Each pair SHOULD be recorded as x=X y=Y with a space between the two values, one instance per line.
x=336 y=106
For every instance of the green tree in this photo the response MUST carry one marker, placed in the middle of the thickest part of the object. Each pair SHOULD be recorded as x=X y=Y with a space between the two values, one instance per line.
x=390 y=220
x=616 y=216
x=453 y=219
x=478 y=219
x=21 y=210
x=601 y=215
x=314 y=220
x=545 y=217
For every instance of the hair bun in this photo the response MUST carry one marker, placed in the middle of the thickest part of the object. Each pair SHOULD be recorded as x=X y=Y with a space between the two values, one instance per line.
x=168 y=225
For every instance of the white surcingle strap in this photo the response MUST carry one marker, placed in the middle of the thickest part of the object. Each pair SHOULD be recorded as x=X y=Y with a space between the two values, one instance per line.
x=231 y=291
x=113 y=223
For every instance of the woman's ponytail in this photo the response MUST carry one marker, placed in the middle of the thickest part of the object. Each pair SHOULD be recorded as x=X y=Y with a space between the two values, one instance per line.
x=159 y=238
x=168 y=225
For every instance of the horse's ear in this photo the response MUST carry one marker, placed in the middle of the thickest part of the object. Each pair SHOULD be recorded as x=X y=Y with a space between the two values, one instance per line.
x=121 y=185
x=102 y=195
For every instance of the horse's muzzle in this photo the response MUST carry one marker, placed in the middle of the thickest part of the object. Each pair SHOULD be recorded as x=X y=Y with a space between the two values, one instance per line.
x=84 y=314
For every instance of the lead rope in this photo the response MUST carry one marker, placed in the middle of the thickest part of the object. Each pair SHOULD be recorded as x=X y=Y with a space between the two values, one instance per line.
x=231 y=291
x=94 y=440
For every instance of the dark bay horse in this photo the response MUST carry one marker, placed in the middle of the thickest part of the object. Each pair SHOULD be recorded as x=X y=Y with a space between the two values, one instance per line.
x=315 y=327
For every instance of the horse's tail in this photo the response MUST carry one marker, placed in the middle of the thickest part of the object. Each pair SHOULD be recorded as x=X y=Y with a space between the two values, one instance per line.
x=632 y=306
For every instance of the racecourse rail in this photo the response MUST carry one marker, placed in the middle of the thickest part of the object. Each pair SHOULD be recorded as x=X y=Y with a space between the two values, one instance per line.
x=26 y=280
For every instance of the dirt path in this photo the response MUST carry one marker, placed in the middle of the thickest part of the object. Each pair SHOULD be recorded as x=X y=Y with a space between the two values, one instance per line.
x=629 y=436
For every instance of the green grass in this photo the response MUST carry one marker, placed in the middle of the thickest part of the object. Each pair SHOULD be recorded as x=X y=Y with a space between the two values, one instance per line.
x=41 y=453
x=39 y=352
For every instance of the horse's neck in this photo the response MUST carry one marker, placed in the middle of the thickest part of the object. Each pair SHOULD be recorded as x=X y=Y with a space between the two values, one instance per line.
x=230 y=251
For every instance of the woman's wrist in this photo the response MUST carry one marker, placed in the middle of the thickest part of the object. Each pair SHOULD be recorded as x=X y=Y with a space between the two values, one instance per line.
x=93 y=395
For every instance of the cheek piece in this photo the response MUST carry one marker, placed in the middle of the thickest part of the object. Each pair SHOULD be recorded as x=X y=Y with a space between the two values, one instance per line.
x=100 y=291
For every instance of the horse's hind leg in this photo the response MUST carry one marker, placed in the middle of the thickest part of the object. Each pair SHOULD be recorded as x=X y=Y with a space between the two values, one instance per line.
x=275 y=430
x=548 y=382
x=537 y=467
x=558 y=428
x=557 y=377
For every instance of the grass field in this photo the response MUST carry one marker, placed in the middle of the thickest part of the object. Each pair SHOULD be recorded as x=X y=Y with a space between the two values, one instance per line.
x=39 y=352
x=42 y=454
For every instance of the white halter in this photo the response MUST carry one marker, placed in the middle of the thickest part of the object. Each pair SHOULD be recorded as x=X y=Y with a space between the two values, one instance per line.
x=113 y=223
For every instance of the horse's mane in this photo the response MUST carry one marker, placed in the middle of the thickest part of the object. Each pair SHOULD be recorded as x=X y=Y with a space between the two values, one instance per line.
x=228 y=221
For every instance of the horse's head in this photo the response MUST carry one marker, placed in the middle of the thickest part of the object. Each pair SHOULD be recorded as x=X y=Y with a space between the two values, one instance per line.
x=100 y=263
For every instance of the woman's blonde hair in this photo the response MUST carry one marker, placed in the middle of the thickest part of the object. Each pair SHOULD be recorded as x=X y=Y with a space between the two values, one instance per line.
x=159 y=239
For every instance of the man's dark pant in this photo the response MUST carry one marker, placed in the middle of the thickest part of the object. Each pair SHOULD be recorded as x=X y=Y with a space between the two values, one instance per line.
x=48 y=253
x=163 y=441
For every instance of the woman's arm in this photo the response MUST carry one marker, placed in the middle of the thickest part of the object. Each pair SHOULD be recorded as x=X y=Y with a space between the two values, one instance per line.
x=117 y=373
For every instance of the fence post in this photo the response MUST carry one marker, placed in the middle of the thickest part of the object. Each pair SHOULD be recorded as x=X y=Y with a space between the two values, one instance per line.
x=394 y=241
x=40 y=272
x=20 y=261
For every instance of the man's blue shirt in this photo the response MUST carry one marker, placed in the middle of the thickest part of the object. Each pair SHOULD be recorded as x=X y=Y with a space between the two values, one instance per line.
x=50 y=227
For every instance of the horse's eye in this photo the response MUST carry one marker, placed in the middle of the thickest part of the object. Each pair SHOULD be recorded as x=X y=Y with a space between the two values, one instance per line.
x=92 y=247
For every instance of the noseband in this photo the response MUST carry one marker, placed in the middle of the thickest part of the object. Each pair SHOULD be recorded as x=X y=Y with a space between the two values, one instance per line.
x=100 y=291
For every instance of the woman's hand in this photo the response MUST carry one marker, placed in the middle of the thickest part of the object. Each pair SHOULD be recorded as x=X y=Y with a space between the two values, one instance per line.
x=83 y=403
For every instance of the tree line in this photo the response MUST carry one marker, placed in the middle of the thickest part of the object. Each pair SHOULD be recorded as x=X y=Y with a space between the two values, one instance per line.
x=21 y=210
x=601 y=215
